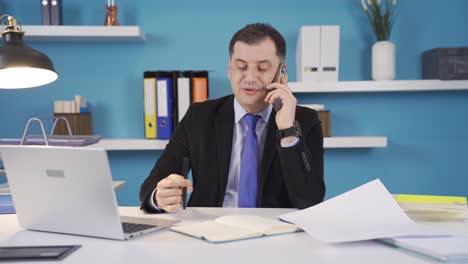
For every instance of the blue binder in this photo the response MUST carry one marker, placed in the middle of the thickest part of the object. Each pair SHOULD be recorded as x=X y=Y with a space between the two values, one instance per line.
x=164 y=104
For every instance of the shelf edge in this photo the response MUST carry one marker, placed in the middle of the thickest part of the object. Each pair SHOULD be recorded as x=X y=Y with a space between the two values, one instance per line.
x=150 y=144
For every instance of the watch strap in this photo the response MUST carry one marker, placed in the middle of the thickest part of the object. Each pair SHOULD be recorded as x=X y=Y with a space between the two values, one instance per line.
x=294 y=131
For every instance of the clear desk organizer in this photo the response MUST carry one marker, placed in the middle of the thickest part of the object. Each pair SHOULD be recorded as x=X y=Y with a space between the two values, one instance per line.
x=52 y=140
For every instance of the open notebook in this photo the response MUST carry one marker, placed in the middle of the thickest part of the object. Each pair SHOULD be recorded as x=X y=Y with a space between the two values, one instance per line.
x=235 y=227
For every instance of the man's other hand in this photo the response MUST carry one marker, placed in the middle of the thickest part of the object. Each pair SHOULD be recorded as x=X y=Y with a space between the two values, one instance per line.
x=168 y=195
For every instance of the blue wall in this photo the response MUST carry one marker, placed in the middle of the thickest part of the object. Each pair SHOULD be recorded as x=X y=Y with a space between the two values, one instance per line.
x=427 y=148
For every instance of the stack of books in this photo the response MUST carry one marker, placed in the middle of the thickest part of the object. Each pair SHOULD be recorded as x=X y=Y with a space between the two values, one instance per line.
x=6 y=201
x=4 y=188
x=432 y=207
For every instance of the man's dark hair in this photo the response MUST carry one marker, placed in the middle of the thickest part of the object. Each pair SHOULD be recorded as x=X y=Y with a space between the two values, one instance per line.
x=256 y=33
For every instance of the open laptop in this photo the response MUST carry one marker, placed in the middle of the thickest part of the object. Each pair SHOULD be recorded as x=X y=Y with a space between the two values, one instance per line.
x=69 y=190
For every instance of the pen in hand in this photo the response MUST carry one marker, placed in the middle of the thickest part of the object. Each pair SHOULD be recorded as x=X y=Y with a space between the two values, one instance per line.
x=185 y=169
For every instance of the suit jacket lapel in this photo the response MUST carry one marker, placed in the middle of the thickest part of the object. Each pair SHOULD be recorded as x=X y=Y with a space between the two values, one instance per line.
x=269 y=153
x=224 y=126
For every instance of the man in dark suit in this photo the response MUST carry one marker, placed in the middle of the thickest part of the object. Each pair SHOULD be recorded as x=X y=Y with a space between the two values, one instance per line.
x=244 y=153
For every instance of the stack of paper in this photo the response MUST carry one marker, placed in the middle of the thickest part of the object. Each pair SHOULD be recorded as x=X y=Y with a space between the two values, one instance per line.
x=431 y=207
x=447 y=249
x=364 y=213
x=4 y=188
x=370 y=212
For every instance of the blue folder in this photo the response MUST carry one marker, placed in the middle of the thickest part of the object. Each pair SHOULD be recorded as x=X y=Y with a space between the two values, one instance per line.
x=165 y=107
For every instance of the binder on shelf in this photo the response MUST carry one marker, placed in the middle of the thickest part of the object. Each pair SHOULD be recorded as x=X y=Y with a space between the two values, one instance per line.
x=56 y=12
x=164 y=103
x=317 y=53
x=149 y=94
x=45 y=12
x=184 y=93
x=199 y=86
x=329 y=53
x=308 y=54
x=167 y=97
x=175 y=111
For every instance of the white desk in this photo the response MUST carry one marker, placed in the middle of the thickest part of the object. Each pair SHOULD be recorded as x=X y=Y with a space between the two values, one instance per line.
x=169 y=247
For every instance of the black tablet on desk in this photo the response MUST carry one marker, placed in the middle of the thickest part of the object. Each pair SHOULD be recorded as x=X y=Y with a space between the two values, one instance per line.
x=34 y=253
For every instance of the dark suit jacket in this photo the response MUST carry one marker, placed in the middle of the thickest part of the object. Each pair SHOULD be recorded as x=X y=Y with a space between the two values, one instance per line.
x=288 y=177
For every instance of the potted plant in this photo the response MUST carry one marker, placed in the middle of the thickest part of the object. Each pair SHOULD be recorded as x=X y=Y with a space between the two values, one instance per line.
x=381 y=15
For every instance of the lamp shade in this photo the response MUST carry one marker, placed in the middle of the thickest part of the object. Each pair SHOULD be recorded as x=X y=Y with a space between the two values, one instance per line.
x=22 y=66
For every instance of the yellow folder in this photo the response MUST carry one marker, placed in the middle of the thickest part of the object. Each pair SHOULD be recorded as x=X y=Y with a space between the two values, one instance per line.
x=149 y=90
x=433 y=199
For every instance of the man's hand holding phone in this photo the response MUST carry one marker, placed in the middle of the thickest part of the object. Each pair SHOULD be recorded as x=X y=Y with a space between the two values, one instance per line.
x=285 y=116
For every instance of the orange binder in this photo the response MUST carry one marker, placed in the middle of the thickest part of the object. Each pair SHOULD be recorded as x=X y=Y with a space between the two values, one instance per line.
x=199 y=86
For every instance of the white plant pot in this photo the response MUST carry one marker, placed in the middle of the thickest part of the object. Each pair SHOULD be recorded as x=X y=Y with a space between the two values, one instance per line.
x=383 y=61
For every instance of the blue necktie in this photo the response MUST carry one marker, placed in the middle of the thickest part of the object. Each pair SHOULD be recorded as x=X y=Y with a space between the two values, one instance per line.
x=248 y=165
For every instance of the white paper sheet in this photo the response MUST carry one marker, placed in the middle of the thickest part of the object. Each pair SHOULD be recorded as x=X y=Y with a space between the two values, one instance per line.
x=364 y=213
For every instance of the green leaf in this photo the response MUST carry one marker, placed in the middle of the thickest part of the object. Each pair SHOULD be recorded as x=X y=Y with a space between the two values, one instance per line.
x=381 y=18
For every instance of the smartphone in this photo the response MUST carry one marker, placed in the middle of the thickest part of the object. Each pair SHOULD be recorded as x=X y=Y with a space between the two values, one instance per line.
x=280 y=72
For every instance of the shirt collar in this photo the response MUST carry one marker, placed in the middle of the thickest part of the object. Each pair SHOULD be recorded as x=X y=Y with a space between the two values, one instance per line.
x=239 y=112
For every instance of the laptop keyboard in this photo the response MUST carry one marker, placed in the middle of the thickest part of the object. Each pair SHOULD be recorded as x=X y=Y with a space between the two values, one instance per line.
x=132 y=227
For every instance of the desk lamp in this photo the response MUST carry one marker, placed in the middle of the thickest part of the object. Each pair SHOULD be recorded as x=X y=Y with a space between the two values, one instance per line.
x=20 y=65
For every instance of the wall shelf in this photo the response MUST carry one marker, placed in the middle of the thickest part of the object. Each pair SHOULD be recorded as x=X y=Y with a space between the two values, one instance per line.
x=355 y=142
x=155 y=144
x=378 y=86
x=131 y=144
x=83 y=33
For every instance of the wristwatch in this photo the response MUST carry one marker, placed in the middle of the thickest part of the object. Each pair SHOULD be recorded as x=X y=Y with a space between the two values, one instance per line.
x=294 y=131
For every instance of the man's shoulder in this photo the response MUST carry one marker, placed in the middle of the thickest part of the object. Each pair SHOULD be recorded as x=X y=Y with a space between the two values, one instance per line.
x=306 y=112
x=307 y=116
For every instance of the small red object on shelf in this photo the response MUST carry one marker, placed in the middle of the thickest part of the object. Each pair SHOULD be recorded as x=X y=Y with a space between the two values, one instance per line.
x=111 y=15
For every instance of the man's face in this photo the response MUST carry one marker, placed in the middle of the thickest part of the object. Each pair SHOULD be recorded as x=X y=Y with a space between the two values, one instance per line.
x=250 y=69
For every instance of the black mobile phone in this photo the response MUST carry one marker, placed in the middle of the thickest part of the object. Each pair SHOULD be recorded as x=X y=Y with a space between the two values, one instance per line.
x=280 y=72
